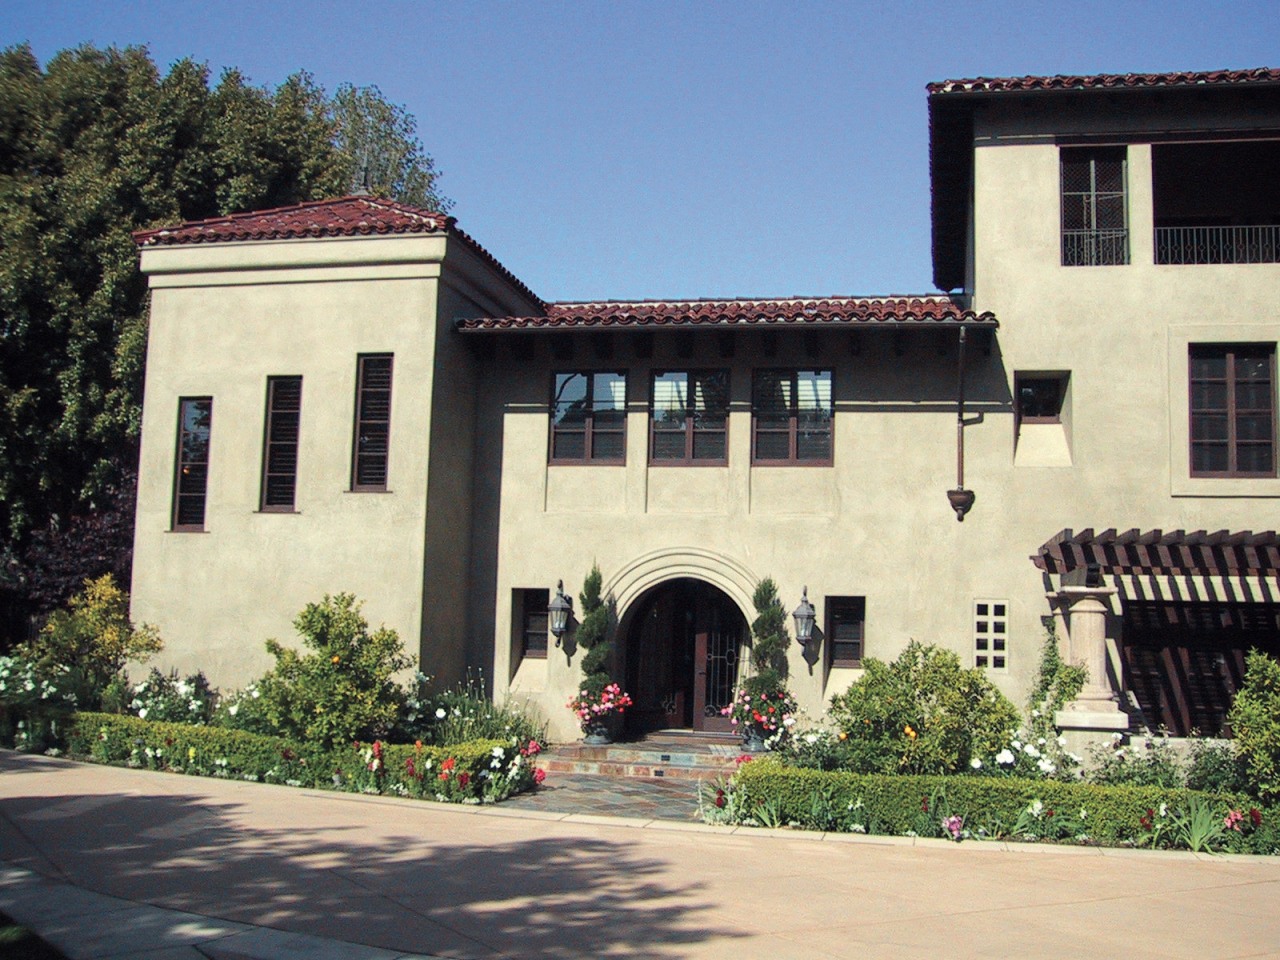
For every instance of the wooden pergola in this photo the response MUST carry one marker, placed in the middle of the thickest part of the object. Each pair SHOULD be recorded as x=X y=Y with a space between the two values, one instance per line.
x=1177 y=552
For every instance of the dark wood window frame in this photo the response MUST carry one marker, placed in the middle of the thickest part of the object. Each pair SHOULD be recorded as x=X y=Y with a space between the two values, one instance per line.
x=794 y=423
x=846 y=628
x=692 y=431
x=280 y=445
x=1094 y=198
x=1232 y=383
x=533 y=623
x=191 y=465
x=591 y=454
x=371 y=440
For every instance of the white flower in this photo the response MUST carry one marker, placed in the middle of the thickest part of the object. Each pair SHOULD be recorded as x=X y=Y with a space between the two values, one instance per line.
x=1041 y=741
x=1036 y=808
x=1004 y=758
x=1117 y=737
x=975 y=763
x=810 y=738
x=1046 y=766
x=1062 y=741
x=233 y=709
x=1017 y=744
x=1035 y=713
x=1164 y=809
x=440 y=713
x=255 y=693
x=1031 y=751
x=142 y=714
x=789 y=722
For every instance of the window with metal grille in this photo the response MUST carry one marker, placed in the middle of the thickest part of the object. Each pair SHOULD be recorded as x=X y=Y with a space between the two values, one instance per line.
x=991 y=634
x=531 y=608
x=1233 y=409
x=191 y=464
x=589 y=417
x=791 y=413
x=373 y=422
x=1095 y=217
x=689 y=413
x=280 y=444
x=846 y=619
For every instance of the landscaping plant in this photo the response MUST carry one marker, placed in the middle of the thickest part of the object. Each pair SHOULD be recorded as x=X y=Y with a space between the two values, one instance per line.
x=1255 y=720
x=763 y=703
x=921 y=713
x=599 y=695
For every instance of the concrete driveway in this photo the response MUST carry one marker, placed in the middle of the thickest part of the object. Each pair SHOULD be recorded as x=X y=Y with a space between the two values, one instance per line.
x=468 y=882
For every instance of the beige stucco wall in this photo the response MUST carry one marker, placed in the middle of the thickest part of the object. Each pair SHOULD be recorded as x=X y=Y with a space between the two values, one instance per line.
x=224 y=318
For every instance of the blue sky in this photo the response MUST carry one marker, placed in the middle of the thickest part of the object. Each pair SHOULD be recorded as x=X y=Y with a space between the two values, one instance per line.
x=675 y=149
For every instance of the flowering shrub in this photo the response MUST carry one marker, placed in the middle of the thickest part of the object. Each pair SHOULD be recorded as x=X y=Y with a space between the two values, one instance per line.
x=922 y=713
x=33 y=703
x=772 y=713
x=1149 y=763
x=594 y=708
x=460 y=714
x=163 y=696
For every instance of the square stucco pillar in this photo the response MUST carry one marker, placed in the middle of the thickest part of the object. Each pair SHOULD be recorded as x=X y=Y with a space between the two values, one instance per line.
x=1095 y=714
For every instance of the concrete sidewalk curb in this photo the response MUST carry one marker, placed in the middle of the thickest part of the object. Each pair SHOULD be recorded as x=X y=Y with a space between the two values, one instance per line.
x=94 y=926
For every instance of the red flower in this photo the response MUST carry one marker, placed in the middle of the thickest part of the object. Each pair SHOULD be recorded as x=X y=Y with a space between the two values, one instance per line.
x=924 y=804
x=287 y=754
x=1048 y=813
x=443 y=776
x=449 y=764
x=464 y=778
x=410 y=768
x=539 y=776
x=1255 y=817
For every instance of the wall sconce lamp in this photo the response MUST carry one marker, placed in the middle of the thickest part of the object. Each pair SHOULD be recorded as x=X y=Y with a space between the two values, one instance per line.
x=803 y=615
x=560 y=610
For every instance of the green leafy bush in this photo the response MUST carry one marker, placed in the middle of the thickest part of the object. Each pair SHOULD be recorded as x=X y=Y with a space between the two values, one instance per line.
x=922 y=713
x=592 y=636
x=480 y=771
x=992 y=808
x=165 y=696
x=84 y=648
x=1215 y=766
x=1149 y=762
x=461 y=714
x=763 y=702
x=1255 y=719
x=342 y=691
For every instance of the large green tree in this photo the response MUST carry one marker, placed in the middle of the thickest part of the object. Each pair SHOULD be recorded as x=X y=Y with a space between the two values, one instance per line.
x=94 y=145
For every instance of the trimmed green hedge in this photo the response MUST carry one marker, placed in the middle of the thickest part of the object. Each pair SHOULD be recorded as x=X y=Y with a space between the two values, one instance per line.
x=767 y=793
x=480 y=771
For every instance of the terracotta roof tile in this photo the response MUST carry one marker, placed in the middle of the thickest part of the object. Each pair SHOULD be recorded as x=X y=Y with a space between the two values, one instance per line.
x=353 y=216
x=923 y=310
x=1106 y=81
x=341 y=217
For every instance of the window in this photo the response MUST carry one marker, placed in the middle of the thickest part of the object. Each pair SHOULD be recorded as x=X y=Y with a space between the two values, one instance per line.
x=191 y=465
x=588 y=417
x=688 y=417
x=531 y=609
x=845 y=619
x=280 y=444
x=1039 y=398
x=791 y=417
x=990 y=634
x=373 y=422
x=1233 y=409
x=1095 y=225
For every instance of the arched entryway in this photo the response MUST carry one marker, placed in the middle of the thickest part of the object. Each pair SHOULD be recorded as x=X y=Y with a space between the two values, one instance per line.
x=684 y=641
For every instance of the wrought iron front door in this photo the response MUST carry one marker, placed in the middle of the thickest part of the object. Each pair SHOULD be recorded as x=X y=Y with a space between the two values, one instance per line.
x=717 y=645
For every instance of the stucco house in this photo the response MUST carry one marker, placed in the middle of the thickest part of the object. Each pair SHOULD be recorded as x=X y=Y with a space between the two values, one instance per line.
x=354 y=395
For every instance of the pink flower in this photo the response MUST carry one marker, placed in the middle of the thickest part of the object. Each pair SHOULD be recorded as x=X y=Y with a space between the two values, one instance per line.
x=539 y=775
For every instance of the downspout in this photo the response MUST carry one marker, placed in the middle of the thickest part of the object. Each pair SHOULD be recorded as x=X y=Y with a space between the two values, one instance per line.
x=961 y=499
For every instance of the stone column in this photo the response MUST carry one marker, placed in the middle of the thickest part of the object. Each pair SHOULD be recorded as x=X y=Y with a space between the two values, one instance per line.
x=1096 y=711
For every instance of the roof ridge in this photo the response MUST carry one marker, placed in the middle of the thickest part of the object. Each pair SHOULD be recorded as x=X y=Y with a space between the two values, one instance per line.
x=1064 y=81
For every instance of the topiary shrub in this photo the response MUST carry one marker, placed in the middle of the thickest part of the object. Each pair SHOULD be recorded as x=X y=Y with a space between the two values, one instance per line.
x=763 y=702
x=592 y=635
x=1255 y=719
x=922 y=713
x=341 y=692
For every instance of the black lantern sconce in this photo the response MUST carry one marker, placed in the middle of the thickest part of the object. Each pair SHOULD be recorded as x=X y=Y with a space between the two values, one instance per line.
x=803 y=615
x=560 y=610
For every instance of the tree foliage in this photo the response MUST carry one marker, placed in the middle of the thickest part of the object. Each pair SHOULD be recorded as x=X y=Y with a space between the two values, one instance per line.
x=592 y=635
x=97 y=144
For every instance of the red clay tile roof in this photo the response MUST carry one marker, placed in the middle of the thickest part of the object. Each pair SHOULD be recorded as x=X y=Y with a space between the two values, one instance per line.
x=1106 y=81
x=919 y=310
x=354 y=216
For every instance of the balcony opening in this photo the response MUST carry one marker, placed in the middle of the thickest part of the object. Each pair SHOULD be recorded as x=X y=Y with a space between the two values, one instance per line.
x=1216 y=202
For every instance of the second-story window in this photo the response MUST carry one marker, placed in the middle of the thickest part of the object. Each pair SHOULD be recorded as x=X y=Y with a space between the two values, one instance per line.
x=1233 y=409
x=688 y=417
x=373 y=422
x=1095 y=217
x=191 y=465
x=791 y=416
x=588 y=417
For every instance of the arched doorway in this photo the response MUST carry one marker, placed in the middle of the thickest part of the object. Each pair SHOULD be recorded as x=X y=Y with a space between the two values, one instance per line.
x=685 y=641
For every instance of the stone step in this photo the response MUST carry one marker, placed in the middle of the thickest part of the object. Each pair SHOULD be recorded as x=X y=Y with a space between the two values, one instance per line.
x=683 y=757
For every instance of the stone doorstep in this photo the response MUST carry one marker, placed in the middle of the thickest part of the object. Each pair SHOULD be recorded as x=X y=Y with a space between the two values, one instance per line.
x=690 y=759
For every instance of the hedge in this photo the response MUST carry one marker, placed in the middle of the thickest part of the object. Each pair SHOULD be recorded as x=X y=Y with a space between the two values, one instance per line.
x=479 y=771
x=769 y=793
